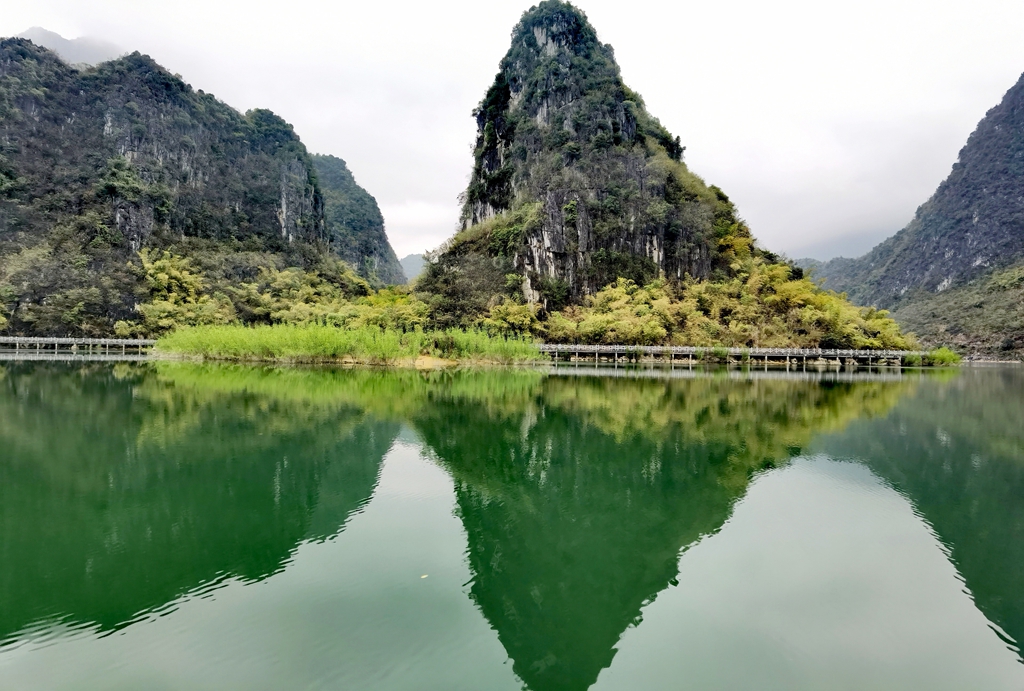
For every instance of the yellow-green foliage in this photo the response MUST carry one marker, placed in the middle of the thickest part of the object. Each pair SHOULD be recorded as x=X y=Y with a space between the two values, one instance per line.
x=761 y=306
x=294 y=296
x=313 y=342
x=176 y=297
x=511 y=317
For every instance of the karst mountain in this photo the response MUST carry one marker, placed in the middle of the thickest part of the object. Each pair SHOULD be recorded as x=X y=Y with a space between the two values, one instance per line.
x=955 y=273
x=99 y=163
x=574 y=182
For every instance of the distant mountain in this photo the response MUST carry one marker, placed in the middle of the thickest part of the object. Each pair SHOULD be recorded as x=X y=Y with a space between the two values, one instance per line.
x=76 y=51
x=937 y=272
x=99 y=163
x=974 y=222
x=412 y=265
x=355 y=225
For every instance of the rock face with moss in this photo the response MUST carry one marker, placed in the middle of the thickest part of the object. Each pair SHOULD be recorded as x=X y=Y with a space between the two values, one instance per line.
x=574 y=183
x=974 y=222
x=99 y=163
x=355 y=226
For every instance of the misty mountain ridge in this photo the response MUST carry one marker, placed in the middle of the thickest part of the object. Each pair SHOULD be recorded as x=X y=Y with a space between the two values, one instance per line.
x=77 y=51
x=966 y=241
x=973 y=224
x=412 y=266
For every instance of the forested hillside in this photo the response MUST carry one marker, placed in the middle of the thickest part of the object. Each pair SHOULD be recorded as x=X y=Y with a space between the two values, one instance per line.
x=938 y=272
x=98 y=165
x=355 y=226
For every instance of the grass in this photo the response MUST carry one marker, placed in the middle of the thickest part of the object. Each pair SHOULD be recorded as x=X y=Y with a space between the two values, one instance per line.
x=940 y=357
x=313 y=343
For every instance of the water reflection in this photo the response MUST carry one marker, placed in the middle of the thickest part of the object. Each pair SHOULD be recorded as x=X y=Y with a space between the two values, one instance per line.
x=577 y=503
x=955 y=449
x=122 y=487
x=120 y=490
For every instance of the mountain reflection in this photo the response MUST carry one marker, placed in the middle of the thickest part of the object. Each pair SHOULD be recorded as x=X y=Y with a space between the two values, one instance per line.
x=120 y=490
x=955 y=449
x=577 y=502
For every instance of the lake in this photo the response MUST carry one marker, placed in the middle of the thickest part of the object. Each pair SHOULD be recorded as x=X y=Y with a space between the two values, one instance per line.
x=180 y=526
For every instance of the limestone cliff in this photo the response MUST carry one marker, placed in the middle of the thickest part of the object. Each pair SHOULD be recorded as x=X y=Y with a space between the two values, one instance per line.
x=971 y=226
x=98 y=163
x=574 y=183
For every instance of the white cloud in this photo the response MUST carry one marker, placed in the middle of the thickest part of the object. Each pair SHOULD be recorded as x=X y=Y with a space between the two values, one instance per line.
x=416 y=226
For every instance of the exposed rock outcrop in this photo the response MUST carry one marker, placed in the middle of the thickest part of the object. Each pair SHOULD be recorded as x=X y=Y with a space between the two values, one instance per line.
x=574 y=183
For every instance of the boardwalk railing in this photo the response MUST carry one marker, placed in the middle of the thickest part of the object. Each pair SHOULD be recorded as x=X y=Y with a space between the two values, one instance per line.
x=29 y=344
x=693 y=352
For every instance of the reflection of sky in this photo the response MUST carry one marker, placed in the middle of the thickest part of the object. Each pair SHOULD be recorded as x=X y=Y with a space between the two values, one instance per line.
x=823 y=578
x=351 y=613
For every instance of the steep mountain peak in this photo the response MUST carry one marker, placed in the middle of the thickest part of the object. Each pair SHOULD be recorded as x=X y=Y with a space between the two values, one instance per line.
x=574 y=183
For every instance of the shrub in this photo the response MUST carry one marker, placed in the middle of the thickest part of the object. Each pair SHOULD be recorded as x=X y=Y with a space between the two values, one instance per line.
x=942 y=357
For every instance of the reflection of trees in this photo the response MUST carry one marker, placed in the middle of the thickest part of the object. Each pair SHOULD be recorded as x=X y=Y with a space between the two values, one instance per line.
x=120 y=490
x=576 y=506
x=124 y=487
x=956 y=450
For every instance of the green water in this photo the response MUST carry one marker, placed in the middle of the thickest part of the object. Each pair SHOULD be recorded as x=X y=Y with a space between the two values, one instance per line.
x=172 y=526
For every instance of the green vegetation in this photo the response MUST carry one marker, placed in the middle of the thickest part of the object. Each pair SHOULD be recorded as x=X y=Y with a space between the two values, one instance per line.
x=985 y=316
x=355 y=226
x=368 y=345
x=762 y=305
x=940 y=357
x=97 y=164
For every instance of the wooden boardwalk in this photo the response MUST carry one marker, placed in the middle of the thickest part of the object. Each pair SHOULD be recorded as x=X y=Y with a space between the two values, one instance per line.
x=91 y=346
x=693 y=355
x=573 y=353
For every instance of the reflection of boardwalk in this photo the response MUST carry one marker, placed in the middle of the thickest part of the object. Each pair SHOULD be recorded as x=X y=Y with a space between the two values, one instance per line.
x=699 y=371
x=67 y=356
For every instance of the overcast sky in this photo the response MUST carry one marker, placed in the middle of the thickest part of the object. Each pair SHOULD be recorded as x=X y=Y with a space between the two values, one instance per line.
x=827 y=123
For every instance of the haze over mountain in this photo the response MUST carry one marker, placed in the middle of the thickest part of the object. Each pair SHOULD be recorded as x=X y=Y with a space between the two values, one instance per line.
x=950 y=272
x=412 y=266
x=77 y=51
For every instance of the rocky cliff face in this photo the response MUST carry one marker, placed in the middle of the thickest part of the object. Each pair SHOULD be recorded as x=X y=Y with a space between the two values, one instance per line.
x=355 y=226
x=972 y=225
x=574 y=183
x=98 y=163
